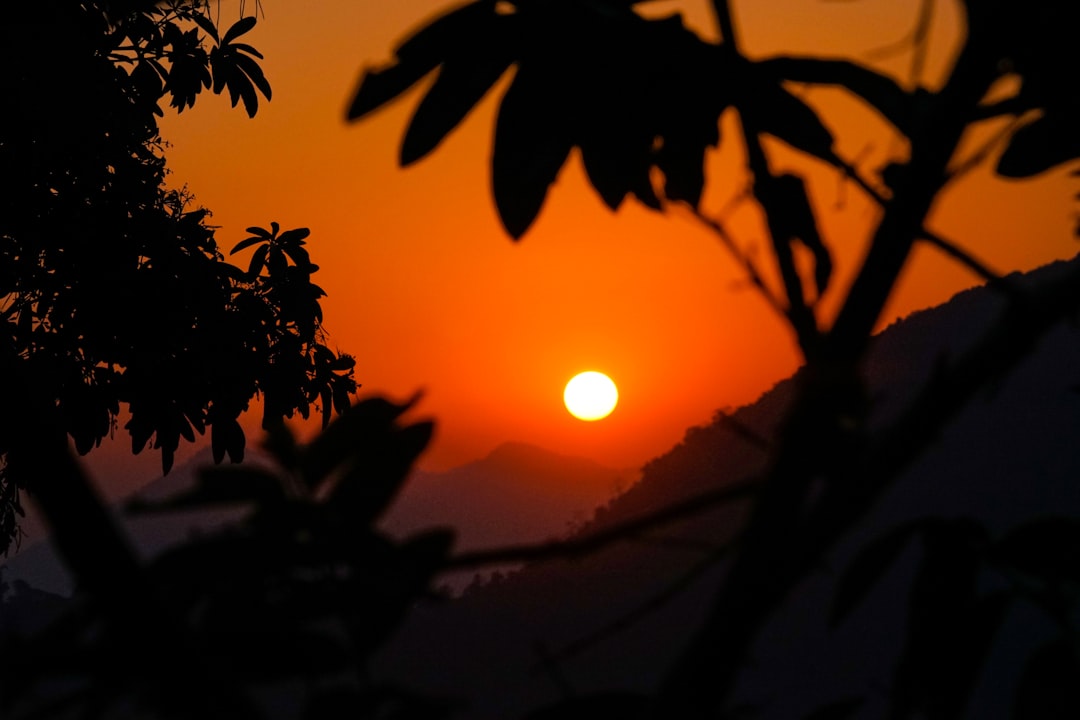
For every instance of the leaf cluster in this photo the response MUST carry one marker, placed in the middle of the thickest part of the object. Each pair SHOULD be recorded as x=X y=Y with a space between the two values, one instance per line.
x=641 y=98
x=113 y=290
x=165 y=49
x=624 y=89
x=302 y=589
x=965 y=586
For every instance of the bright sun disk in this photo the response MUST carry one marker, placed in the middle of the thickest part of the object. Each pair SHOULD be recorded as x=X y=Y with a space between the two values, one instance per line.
x=590 y=395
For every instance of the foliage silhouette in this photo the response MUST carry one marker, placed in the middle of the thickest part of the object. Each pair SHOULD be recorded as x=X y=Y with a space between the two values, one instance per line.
x=113 y=291
x=304 y=590
x=303 y=587
x=641 y=98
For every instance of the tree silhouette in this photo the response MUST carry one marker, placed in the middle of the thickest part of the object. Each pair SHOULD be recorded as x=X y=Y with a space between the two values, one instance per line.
x=304 y=589
x=113 y=291
x=641 y=98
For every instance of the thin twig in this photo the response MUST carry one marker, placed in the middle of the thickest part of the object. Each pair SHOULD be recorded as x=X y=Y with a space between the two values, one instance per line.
x=949 y=247
x=916 y=38
x=971 y=262
x=748 y=266
x=983 y=152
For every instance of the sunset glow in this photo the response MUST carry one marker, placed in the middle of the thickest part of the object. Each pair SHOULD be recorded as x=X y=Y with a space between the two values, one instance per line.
x=590 y=396
x=428 y=292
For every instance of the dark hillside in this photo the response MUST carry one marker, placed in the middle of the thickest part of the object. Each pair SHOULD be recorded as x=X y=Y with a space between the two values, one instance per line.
x=1010 y=456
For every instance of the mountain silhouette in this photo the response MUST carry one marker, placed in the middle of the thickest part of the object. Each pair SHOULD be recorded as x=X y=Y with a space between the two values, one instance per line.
x=616 y=619
x=40 y=567
x=613 y=621
x=518 y=493
x=25 y=610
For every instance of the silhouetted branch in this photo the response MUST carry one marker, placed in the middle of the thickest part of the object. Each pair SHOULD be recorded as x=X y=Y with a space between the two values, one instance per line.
x=984 y=151
x=653 y=604
x=950 y=389
x=818 y=437
x=924 y=175
x=1010 y=106
x=740 y=257
x=916 y=38
x=947 y=246
x=580 y=546
x=970 y=261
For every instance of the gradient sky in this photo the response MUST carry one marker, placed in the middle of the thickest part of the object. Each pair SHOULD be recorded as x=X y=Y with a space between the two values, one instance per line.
x=429 y=294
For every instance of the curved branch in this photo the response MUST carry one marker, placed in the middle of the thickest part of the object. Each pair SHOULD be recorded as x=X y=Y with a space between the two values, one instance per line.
x=883 y=93
x=654 y=603
x=747 y=264
x=586 y=544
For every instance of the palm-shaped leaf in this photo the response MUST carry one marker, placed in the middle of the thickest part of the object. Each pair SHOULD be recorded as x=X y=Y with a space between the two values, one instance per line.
x=462 y=82
x=531 y=146
x=418 y=55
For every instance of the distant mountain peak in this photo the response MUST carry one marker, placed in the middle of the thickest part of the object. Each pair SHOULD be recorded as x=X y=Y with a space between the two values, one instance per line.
x=521 y=455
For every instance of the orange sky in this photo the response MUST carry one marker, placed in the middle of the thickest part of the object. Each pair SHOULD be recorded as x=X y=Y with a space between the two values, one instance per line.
x=428 y=293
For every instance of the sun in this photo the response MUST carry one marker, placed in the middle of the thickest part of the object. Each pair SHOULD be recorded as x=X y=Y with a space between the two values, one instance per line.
x=590 y=396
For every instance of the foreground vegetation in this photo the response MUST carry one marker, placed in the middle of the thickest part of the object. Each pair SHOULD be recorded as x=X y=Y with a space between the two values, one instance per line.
x=301 y=595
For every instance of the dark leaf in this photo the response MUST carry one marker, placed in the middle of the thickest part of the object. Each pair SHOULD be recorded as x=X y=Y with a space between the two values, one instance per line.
x=275 y=261
x=683 y=165
x=294 y=237
x=838 y=710
x=372 y=418
x=1041 y=145
x=1046 y=548
x=221 y=485
x=1049 y=688
x=621 y=705
x=206 y=24
x=246 y=243
x=772 y=109
x=531 y=146
x=601 y=160
x=258 y=260
x=247 y=49
x=379 y=468
x=880 y=91
x=240 y=87
x=341 y=398
x=417 y=56
x=799 y=222
x=948 y=624
x=227 y=437
x=385 y=702
x=255 y=74
x=436 y=39
x=462 y=82
x=378 y=87
x=167 y=455
x=303 y=262
x=326 y=400
x=240 y=27
x=867 y=568
x=281 y=445
x=973 y=639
